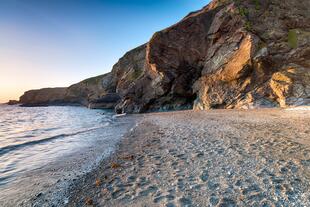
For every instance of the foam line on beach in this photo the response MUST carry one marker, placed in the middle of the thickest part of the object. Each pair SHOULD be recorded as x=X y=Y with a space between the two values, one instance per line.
x=299 y=108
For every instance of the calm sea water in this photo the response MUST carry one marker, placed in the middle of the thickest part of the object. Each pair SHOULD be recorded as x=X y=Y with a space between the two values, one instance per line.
x=32 y=138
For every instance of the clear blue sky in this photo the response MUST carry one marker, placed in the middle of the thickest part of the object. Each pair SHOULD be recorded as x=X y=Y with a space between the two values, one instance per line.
x=48 y=43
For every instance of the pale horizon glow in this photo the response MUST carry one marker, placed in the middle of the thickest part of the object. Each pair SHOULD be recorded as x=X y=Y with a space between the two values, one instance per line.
x=57 y=43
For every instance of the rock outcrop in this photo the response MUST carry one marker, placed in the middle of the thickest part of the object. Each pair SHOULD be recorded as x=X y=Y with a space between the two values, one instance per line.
x=230 y=54
x=12 y=102
x=91 y=93
x=102 y=91
x=43 y=97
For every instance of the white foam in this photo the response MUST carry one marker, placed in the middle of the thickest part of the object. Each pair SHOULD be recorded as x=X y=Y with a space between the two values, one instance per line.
x=119 y=115
x=299 y=108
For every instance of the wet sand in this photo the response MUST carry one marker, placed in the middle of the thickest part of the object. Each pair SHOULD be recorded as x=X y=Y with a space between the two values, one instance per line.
x=208 y=158
x=48 y=185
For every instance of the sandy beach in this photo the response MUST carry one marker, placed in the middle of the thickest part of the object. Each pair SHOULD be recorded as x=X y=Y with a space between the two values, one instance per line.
x=161 y=103
x=206 y=158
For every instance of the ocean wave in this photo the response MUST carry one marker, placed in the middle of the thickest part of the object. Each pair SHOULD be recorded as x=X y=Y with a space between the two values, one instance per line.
x=9 y=148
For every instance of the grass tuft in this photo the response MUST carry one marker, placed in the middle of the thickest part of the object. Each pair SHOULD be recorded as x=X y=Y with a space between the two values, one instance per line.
x=292 y=38
x=257 y=4
x=243 y=11
x=93 y=80
x=248 y=25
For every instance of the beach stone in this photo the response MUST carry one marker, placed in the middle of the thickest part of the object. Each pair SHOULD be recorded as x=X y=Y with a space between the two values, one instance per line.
x=150 y=189
x=204 y=176
x=170 y=205
x=214 y=200
x=213 y=185
x=227 y=202
x=158 y=199
x=115 y=194
x=185 y=202
x=170 y=197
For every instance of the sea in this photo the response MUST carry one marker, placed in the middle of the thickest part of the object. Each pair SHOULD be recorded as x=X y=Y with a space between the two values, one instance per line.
x=42 y=149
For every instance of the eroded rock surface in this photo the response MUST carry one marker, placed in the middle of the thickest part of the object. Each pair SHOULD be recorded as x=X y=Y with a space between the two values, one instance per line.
x=90 y=91
x=102 y=91
x=43 y=97
x=13 y=102
x=230 y=54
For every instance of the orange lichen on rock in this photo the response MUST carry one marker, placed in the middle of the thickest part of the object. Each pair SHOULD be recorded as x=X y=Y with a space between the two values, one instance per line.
x=115 y=165
x=88 y=201
x=98 y=182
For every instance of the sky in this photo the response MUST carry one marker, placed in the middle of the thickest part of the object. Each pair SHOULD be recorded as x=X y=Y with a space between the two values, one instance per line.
x=53 y=43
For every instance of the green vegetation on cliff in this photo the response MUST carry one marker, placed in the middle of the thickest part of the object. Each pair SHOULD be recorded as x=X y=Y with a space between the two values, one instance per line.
x=292 y=38
x=93 y=80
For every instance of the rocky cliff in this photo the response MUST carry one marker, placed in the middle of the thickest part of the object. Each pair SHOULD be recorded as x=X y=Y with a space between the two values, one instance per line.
x=230 y=54
x=102 y=91
x=43 y=97
x=90 y=93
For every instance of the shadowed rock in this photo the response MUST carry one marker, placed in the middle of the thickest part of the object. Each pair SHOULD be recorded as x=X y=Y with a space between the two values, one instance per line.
x=230 y=54
x=13 y=102
x=43 y=97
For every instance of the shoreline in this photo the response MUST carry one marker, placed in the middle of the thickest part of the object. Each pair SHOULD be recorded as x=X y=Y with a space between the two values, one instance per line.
x=201 y=158
x=47 y=185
